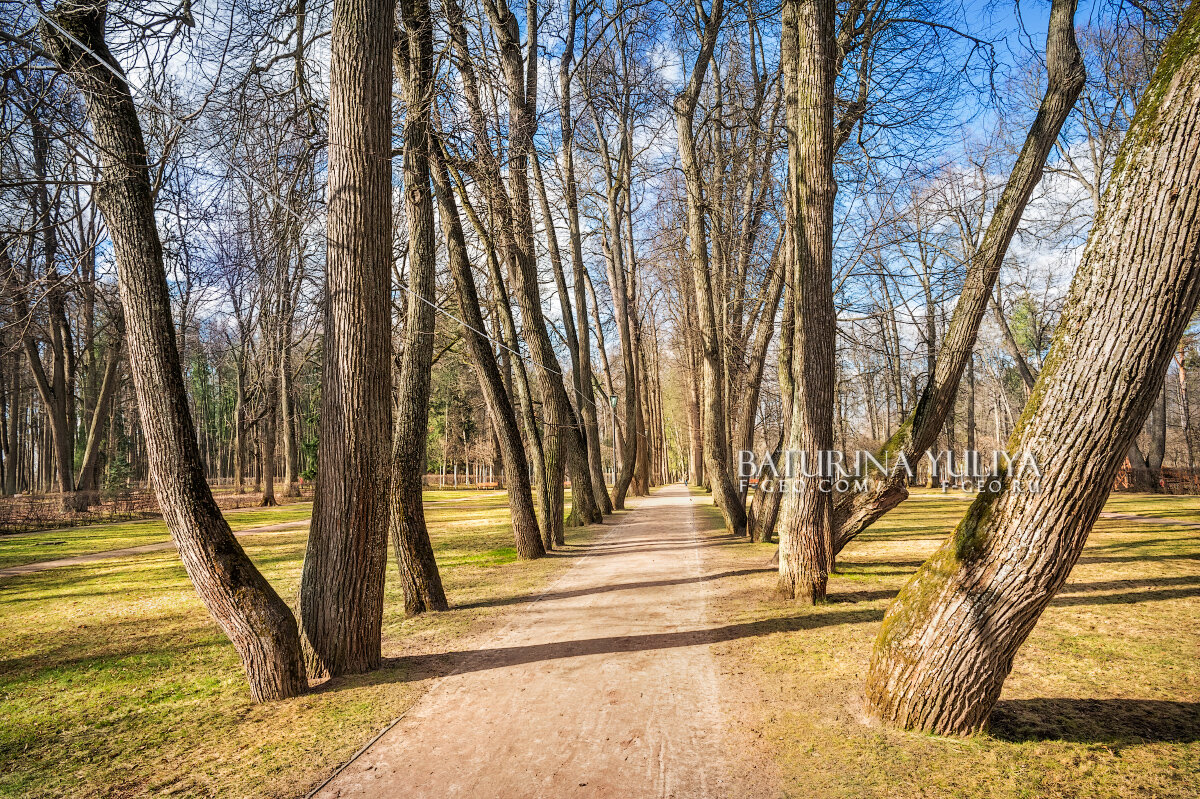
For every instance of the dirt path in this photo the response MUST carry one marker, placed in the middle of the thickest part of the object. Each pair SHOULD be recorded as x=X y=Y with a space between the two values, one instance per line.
x=602 y=687
x=91 y=557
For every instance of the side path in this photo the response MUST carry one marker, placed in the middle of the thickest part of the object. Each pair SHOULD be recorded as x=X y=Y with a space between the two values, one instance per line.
x=573 y=698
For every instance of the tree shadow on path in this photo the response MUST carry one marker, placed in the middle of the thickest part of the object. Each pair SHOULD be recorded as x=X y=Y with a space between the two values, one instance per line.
x=404 y=669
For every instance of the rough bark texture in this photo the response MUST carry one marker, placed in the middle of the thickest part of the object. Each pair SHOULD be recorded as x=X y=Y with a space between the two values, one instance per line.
x=1065 y=78
x=341 y=592
x=809 y=56
x=948 y=641
x=410 y=537
x=259 y=624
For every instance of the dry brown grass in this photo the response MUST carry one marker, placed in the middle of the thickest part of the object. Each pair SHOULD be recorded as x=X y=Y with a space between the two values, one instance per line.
x=1103 y=701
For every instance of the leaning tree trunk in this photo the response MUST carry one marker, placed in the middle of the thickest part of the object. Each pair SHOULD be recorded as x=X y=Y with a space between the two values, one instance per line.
x=259 y=623
x=948 y=641
x=588 y=409
x=499 y=404
x=99 y=418
x=1065 y=78
x=410 y=537
x=341 y=590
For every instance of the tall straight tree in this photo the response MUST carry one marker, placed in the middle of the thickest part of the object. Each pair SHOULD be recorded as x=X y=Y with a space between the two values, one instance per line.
x=410 y=537
x=715 y=440
x=341 y=590
x=809 y=54
x=948 y=641
x=258 y=622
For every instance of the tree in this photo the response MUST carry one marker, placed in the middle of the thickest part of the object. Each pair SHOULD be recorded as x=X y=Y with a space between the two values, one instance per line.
x=948 y=641
x=715 y=441
x=341 y=590
x=1065 y=77
x=258 y=622
x=410 y=537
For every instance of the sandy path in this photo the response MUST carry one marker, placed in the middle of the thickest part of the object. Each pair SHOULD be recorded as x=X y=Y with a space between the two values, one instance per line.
x=91 y=557
x=603 y=687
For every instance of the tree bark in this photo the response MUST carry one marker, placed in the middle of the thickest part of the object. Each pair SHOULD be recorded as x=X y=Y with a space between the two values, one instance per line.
x=499 y=405
x=948 y=641
x=259 y=624
x=341 y=591
x=808 y=52
x=419 y=574
x=588 y=409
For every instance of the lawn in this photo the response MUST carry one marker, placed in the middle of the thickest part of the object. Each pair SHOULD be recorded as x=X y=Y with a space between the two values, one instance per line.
x=114 y=682
x=21 y=548
x=1103 y=700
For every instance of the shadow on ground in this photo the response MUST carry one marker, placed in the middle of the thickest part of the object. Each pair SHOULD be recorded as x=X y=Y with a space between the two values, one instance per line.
x=1129 y=721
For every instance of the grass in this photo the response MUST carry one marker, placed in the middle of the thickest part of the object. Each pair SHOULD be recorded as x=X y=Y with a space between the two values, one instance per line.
x=21 y=548
x=1103 y=700
x=114 y=681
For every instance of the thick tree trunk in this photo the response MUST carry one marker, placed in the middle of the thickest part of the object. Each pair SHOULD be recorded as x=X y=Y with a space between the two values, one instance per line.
x=809 y=55
x=341 y=591
x=855 y=512
x=410 y=537
x=948 y=641
x=259 y=623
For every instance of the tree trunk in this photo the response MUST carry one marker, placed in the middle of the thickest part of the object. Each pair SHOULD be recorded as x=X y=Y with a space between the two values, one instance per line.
x=855 y=512
x=588 y=409
x=341 y=590
x=259 y=623
x=1185 y=411
x=499 y=404
x=716 y=443
x=410 y=537
x=808 y=53
x=1158 y=439
x=100 y=414
x=948 y=641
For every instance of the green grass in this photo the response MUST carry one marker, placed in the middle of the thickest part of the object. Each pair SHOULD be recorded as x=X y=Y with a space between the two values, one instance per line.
x=22 y=548
x=1103 y=699
x=115 y=682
